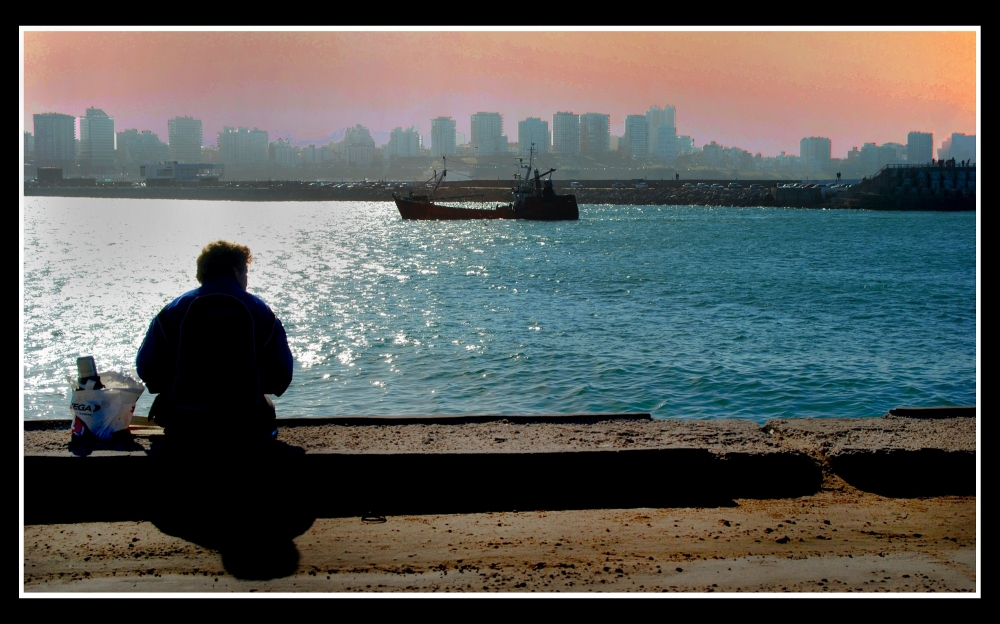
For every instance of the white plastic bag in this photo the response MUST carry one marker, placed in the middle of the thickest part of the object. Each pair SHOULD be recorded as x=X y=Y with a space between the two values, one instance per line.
x=109 y=409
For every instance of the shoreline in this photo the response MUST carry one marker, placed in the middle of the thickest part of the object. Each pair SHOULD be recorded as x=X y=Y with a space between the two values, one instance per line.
x=614 y=504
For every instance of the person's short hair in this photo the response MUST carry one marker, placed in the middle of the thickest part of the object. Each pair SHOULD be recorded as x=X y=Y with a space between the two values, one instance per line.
x=219 y=258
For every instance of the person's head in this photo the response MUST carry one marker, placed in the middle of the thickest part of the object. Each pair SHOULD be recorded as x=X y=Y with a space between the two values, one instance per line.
x=222 y=258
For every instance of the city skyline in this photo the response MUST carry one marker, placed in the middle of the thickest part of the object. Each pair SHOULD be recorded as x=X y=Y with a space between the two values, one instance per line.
x=745 y=89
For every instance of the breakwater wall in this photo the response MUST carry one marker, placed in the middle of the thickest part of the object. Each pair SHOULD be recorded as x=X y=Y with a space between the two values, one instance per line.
x=920 y=187
x=668 y=195
x=657 y=194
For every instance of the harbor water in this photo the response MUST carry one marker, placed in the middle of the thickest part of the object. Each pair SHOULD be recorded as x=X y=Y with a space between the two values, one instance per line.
x=679 y=311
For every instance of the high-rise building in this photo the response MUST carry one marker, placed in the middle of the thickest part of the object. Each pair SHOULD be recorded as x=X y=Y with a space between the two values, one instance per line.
x=963 y=147
x=595 y=133
x=818 y=149
x=713 y=153
x=282 y=153
x=97 y=138
x=944 y=152
x=141 y=148
x=442 y=136
x=666 y=143
x=853 y=157
x=257 y=152
x=309 y=155
x=656 y=117
x=565 y=133
x=403 y=143
x=29 y=146
x=533 y=131
x=891 y=154
x=358 y=146
x=685 y=145
x=185 y=138
x=243 y=146
x=487 y=134
x=330 y=153
x=636 y=136
x=919 y=148
x=868 y=159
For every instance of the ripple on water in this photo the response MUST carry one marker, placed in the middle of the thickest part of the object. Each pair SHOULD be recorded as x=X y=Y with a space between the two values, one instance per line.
x=678 y=311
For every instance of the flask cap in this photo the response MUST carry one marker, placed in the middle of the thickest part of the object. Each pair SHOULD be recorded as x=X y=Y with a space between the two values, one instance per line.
x=86 y=367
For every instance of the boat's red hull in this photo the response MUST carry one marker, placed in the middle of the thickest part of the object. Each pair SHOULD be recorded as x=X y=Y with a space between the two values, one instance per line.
x=557 y=208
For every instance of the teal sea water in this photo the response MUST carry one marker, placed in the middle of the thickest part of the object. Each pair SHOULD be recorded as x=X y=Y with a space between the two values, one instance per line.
x=679 y=311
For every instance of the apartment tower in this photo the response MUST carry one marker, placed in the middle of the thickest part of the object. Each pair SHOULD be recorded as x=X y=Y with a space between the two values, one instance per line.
x=97 y=138
x=442 y=136
x=566 y=133
x=185 y=139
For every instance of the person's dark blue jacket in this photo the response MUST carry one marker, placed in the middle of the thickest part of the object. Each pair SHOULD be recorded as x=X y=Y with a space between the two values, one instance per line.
x=216 y=349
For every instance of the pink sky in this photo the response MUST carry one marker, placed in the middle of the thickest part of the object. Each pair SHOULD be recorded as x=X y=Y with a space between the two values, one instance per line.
x=762 y=91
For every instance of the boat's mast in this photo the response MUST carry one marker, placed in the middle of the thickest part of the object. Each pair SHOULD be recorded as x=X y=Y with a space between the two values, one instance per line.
x=444 y=172
x=536 y=183
x=531 y=160
x=524 y=183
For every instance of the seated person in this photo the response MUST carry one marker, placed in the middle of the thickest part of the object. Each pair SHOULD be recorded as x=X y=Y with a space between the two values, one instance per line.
x=213 y=354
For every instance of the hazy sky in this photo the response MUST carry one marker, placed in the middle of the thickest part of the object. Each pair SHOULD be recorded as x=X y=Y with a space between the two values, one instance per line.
x=762 y=91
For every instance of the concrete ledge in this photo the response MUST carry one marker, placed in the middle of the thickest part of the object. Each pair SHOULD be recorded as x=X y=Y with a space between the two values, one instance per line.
x=934 y=412
x=908 y=473
x=468 y=464
x=345 y=484
x=783 y=474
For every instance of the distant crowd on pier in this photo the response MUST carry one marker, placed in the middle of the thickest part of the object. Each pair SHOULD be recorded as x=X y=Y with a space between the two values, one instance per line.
x=950 y=163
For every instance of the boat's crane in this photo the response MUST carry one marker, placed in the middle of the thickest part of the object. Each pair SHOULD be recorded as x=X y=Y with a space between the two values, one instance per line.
x=440 y=178
x=538 y=179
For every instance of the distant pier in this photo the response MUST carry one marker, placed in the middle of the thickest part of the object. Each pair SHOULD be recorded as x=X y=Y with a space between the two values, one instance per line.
x=894 y=187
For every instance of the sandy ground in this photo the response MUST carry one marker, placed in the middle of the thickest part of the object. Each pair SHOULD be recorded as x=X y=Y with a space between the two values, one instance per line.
x=839 y=540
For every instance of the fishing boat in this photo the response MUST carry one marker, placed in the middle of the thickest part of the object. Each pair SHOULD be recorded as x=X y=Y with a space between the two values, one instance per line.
x=534 y=199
